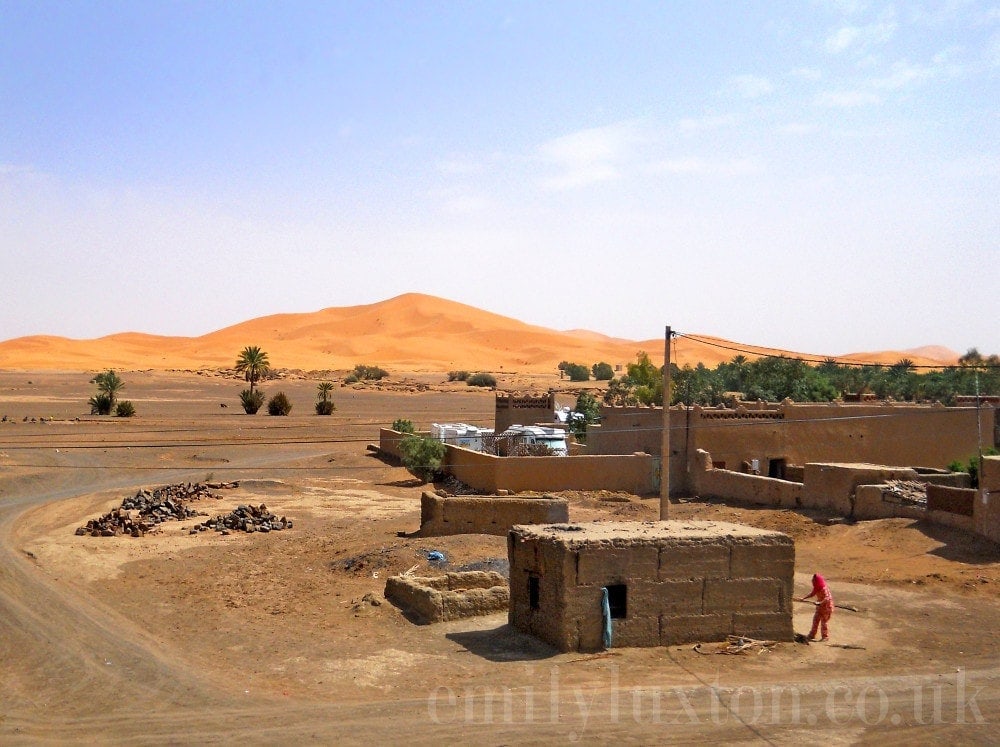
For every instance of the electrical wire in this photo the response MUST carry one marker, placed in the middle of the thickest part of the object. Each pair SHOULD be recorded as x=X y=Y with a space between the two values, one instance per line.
x=837 y=359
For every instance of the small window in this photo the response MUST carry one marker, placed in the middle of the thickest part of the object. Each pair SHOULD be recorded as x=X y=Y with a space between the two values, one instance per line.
x=617 y=601
x=533 y=592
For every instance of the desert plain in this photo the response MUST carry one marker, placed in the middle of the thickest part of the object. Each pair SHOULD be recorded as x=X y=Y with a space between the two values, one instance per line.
x=285 y=637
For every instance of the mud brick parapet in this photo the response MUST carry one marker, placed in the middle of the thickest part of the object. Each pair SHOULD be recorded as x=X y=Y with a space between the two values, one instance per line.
x=669 y=582
x=441 y=516
x=448 y=597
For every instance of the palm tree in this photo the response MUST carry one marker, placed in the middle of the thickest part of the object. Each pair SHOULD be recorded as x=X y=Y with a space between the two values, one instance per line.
x=110 y=384
x=253 y=364
x=325 y=406
x=325 y=388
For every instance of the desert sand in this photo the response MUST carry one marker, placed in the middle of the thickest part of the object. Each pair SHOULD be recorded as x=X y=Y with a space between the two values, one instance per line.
x=285 y=638
x=412 y=332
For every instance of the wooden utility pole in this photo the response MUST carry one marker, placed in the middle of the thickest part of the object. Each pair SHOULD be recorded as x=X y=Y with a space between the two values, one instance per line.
x=665 y=444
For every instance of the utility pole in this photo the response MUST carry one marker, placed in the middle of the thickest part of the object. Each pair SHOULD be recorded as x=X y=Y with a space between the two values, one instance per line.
x=665 y=444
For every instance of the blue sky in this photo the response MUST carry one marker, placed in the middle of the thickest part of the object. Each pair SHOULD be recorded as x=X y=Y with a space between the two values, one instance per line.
x=816 y=175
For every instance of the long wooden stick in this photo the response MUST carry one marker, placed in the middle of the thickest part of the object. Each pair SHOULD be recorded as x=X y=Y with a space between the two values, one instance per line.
x=838 y=606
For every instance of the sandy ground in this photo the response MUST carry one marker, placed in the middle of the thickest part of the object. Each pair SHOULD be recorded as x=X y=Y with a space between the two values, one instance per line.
x=206 y=638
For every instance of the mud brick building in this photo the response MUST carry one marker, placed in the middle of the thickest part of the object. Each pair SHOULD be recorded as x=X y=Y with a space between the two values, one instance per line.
x=668 y=582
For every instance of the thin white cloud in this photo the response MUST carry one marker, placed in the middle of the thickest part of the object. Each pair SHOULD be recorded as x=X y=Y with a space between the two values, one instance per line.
x=903 y=75
x=691 y=125
x=806 y=73
x=751 y=86
x=704 y=167
x=860 y=37
x=459 y=166
x=588 y=156
x=798 y=128
x=845 y=99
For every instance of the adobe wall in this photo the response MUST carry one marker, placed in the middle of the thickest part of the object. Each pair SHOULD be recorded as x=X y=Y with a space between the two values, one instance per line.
x=832 y=486
x=441 y=516
x=680 y=582
x=448 y=597
x=389 y=440
x=523 y=409
x=986 y=512
x=896 y=433
x=708 y=482
x=952 y=500
x=633 y=473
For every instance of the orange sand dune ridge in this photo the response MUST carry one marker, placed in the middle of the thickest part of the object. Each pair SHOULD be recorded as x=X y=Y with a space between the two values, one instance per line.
x=412 y=332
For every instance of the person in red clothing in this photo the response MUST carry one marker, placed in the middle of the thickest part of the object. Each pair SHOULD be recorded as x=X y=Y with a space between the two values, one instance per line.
x=824 y=607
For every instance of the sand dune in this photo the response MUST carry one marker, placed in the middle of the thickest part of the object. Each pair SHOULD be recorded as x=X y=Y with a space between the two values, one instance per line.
x=412 y=332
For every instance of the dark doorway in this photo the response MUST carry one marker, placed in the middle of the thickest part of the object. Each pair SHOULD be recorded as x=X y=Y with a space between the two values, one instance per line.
x=533 y=592
x=776 y=468
x=618 y=601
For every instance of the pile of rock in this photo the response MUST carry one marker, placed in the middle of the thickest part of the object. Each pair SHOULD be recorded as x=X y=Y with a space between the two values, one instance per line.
x=908 y=491
x=148 y=508
x=245 y=519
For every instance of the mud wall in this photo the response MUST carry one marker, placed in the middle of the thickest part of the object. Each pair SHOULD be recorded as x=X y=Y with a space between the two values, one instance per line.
x=486 y=514
x=794 y=434
x=448 y=597
x=389 y=440
x=633 y=473
x=674 y=582
x=720 y=483
x=833 y=486
x=951 y=500
x=986 y=513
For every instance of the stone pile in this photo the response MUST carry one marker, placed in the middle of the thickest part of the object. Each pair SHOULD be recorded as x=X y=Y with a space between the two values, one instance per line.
x=245 y=519
x=908 y=491
x=144 y=511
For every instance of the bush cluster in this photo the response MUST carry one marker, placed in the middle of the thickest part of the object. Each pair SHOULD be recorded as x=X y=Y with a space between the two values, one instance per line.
x=366 y=373
x=403 y=426
x=251 y=400
x=481 y=379
x=279 y=405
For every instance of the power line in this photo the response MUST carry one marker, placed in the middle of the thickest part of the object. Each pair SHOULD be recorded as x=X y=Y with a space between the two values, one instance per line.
x=837 y=359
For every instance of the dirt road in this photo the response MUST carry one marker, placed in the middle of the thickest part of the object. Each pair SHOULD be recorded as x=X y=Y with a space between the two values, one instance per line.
x=205 y=638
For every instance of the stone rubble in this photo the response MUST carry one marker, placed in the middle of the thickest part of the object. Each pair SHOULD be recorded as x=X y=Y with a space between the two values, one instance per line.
x=143 y=512
x=245 y=519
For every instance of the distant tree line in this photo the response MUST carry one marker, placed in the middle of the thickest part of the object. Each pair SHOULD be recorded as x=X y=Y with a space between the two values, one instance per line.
x=774 y=378
x=579 y=372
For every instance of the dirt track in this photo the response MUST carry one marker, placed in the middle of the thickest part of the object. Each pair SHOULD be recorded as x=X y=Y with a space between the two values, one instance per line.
x=266 y=638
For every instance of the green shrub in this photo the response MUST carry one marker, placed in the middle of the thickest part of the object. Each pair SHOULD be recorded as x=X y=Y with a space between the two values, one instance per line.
x=403 y=426
x=252 y=400
x=124 y=409
x=458 y=375
x=369 y=373
x=351 y=379
x=325 y=407
x=100 y=404
x=602 y=371
x=422 y=456
x=481 y=379
x=577 y=372
x=972 y=465
x=279 y=405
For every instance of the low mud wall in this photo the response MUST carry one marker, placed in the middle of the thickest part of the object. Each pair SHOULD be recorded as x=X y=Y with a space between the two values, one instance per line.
x=448 y=597
x=709 y=482
x=880 y=502
x=986 y=514
x=951 y=500
x=633 y=473
x=481 y=514
x=389 y=441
